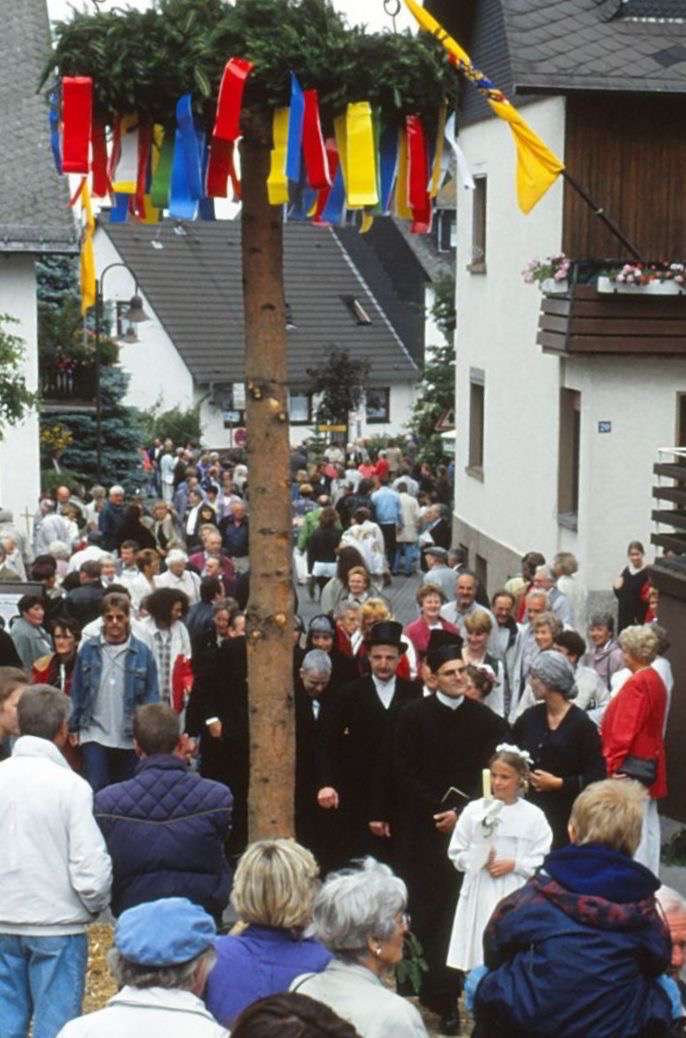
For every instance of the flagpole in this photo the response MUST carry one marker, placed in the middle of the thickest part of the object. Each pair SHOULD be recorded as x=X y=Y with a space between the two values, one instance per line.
x=600 y=212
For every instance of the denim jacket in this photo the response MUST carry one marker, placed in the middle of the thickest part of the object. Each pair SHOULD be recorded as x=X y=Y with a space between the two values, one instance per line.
x=141 y=684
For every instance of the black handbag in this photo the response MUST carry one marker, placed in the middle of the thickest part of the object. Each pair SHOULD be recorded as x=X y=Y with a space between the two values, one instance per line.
x=642 y=769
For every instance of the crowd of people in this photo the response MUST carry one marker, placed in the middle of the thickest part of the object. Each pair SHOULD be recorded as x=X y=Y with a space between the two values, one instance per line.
x=492 y=767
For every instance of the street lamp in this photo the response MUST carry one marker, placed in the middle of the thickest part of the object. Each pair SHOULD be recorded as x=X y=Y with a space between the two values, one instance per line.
x=135 y=314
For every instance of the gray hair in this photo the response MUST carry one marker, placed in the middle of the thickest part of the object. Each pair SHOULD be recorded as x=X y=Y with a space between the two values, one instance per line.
x=555 y=671
x=546 y=571
x=355 y=905
x=316 y=662
x=602 y=619
x=343 y=607
x=670 y=900
x=180 y=976
x=58 y=550
x=538 y=592
x=640 y=642
x=116 y=489
x=42 y=710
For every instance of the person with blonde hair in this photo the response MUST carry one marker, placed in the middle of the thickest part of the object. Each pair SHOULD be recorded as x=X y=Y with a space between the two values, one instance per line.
x=478 y=627
x=273 y=892
x=633 y=732
x=579 y=949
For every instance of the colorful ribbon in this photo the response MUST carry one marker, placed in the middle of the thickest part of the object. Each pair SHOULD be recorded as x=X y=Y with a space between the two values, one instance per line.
x=361 y=187
x=101 y=181
x=388 y=165
x=419 y=198
x=463 y=169
x=87 y=259
x=125 y=173
x=54 y=118
x=219 y=167
x=296 y=120
x=314 y=147
x=77 y=114
x=161 y=180
x=119 y=213
x=277 y=183
x=402 y=207
x=227 y=124
x=143 y=168
x=186 y=174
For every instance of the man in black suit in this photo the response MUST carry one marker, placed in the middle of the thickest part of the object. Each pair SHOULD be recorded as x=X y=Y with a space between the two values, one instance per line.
x=315 y=828
x=442 y=741
x=359 y=724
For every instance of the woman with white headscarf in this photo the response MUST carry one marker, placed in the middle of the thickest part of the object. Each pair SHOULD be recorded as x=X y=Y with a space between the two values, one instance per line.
x=563 y=742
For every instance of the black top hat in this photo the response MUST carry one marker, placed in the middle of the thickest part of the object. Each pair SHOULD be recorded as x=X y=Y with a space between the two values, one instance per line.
x=386 y=632
x=443 y=646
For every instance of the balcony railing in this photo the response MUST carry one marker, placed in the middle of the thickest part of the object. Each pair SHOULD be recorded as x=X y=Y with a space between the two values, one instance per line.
x=68 y=383
x=591 y=315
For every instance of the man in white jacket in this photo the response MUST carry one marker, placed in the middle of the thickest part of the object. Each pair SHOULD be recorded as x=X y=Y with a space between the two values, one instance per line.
x=55 y=873
x=162 y=955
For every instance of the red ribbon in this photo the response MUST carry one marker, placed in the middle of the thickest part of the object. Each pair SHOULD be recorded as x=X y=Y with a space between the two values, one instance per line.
x=314 y=148
x=115 y=152
x=144 y=148
x=227 y=125
x=77 y=114
x=323 y=196
x=101 y=182
x=418 y=176
x=219 y=167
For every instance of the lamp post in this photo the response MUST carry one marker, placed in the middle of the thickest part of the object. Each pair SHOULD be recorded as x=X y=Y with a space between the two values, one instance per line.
x=134 y=314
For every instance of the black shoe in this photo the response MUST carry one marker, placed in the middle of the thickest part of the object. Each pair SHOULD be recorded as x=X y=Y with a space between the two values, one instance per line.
x=450 y=1023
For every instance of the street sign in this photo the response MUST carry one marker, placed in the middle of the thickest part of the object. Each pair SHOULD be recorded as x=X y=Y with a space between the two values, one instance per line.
x=331 y=428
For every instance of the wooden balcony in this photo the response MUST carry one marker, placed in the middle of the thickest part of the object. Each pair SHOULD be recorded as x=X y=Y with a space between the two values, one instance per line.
x=670 y=522
x=585 y=321
x=67 y=387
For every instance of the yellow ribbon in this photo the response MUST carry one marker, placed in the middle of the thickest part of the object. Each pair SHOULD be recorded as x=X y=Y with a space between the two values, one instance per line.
x=438 y=157
x=87 y=259
x=277 y=183
x=402 y=205
x=361 y=183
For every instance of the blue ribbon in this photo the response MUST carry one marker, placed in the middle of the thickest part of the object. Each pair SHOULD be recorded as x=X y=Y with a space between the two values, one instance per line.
x=186 y=179
x=335 y=204
x=55 y=130
x=207 y=210
x=301 y=201
x=296 y=122
x=119 y=213
x=388 y=155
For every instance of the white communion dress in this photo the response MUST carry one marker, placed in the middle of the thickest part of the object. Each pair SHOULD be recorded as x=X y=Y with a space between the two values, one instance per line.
x=518 y=831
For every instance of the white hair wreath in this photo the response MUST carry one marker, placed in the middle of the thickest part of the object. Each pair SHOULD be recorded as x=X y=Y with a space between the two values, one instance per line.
x=506 y=747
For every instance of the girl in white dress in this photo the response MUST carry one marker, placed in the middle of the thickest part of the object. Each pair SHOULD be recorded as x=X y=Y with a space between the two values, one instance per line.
x=498 y=842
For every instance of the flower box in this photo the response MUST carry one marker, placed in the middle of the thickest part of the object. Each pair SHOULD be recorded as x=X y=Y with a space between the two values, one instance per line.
x=653 y=288
x=551 y=287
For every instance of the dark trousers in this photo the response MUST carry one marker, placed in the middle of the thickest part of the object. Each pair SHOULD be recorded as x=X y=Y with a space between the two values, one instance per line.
x=103 y=765
x=388 y=531
x=433 y=898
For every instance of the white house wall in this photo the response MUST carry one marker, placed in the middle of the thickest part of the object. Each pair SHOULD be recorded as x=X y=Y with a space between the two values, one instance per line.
x=639 y=398
x=497 y=315
x=402 y=398
x=159 y=376
x=19 y=449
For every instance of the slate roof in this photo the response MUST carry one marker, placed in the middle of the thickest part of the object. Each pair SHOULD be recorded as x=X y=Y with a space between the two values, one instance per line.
x=193 y=283
x=395 y=276
x=34 y=216
x=593 y=45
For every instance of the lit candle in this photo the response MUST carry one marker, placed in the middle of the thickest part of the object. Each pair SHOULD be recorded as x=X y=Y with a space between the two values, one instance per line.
x=486 y=782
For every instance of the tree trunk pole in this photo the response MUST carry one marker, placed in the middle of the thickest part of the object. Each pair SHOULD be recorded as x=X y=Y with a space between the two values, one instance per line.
x=270 y=609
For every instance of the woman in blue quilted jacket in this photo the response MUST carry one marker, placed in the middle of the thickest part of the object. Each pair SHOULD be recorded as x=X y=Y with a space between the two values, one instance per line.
x=579 y=951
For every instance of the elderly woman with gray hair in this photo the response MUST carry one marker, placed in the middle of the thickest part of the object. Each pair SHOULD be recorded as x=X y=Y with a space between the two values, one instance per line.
x=633 y=732
x=359 y=915
x=563 y=742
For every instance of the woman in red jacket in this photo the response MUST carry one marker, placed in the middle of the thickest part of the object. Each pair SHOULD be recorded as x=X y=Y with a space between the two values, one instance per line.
x=633 y=733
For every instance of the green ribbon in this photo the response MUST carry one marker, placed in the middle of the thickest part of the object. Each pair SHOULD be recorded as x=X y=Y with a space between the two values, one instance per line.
x=159 y=189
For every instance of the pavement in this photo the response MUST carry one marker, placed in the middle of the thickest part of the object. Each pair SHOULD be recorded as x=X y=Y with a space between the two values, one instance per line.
x=400 y=593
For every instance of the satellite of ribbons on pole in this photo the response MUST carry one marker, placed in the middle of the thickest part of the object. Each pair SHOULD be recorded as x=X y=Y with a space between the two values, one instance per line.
x=355 y=161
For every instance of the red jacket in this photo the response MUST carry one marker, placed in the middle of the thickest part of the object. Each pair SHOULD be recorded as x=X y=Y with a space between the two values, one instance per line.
x=419 y=633
x=633 y=725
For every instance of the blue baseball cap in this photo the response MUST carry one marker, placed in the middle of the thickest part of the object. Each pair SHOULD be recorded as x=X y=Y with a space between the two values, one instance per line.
x=164 y=933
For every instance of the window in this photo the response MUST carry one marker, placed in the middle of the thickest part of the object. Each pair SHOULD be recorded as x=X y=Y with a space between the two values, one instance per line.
x=568 y=458
x=481 y=570
x=126 y=330
x=357 y=310
x=478 y=261
x=378 y=405
x=300 y=408
x=475 y=461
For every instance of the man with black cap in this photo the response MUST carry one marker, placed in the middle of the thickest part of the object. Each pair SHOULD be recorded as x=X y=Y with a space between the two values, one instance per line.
x=361 y=718
x=442 y=743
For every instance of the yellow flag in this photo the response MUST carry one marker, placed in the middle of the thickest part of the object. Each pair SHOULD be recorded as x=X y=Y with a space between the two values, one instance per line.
x=87 y=265
x=360 y=156
x=340 y=132
x=367 y=222
x=437 y=167
x=402 y=205
x=277 y=184
x=537 y=166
